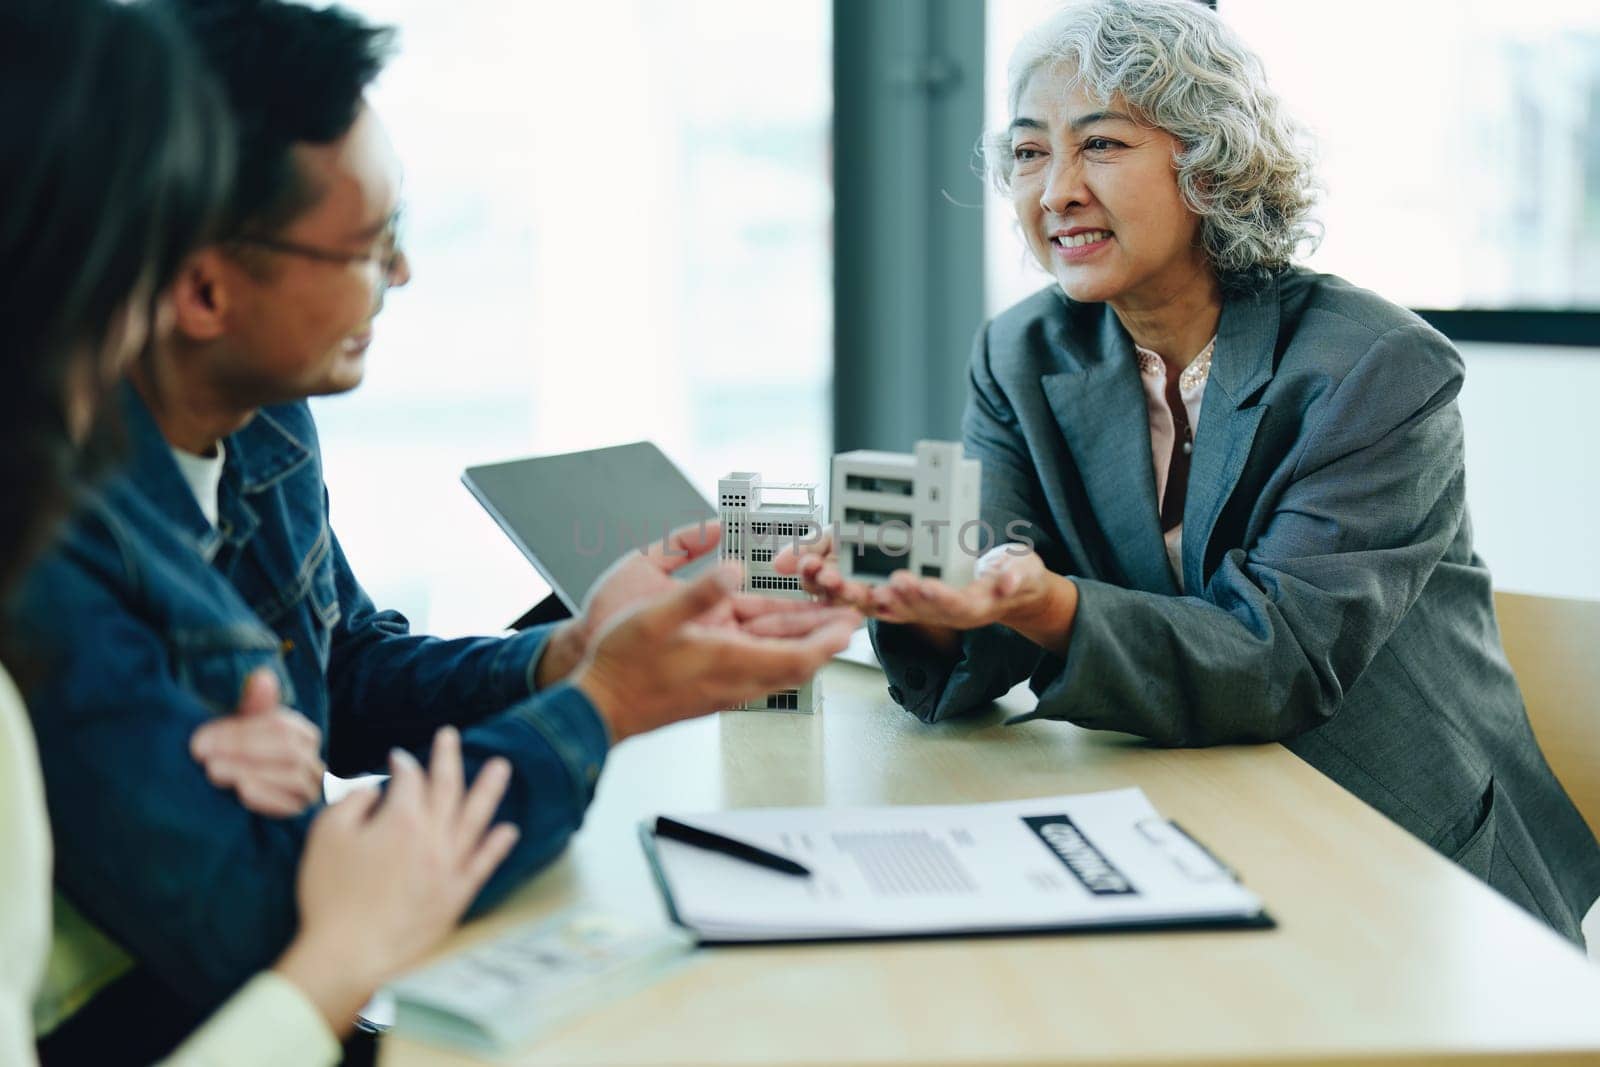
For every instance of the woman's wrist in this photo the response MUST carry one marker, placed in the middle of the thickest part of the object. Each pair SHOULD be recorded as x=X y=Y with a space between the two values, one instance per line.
x=331 y=978
x=1047 y=618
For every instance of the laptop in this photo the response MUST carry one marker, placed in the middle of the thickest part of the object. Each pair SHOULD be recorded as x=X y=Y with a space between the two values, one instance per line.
x=573 y=515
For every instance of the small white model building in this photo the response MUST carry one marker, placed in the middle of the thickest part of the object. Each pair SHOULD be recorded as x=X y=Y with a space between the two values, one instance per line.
x=894 y=511
x=760 y=519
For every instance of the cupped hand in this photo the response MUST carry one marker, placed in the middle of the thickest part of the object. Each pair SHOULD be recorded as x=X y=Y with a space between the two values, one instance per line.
x=1010 y=585
x=652 y=572
x=664 y=661
x=268 y=754
x=647 y=572
x=631 y=580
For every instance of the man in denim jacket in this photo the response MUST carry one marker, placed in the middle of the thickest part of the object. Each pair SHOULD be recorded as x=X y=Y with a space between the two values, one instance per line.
x=210 y=557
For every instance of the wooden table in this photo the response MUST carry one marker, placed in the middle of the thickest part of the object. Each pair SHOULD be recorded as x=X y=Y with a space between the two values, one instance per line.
x=1385 y=952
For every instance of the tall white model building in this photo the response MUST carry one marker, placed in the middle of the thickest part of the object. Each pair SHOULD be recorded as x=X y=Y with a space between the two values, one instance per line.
x=894 y=511
x=759 y=519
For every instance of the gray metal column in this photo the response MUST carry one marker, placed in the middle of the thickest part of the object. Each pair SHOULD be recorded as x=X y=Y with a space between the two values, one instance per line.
x=908 y=220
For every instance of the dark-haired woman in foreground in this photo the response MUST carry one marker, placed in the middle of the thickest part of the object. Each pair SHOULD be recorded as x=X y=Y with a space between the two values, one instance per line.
x=1244 y=482
x=111 y=158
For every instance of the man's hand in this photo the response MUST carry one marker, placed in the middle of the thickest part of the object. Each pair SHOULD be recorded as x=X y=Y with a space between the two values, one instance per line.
x=634 y=578
x=1011 y=586
x=643 y=575
x=677 y=656
x=268 y=754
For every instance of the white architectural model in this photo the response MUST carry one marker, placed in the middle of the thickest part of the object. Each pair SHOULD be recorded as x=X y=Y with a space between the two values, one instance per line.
x=758 y=521
x=893 y=511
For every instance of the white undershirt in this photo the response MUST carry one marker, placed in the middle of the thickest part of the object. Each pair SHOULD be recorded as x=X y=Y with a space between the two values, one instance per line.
x=1192 y=387
x=204 y=475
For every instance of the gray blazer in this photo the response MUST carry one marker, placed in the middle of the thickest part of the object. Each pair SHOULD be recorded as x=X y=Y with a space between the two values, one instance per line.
x=1334 y=601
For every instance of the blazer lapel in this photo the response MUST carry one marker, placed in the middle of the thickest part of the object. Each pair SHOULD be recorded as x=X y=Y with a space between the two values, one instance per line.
x=1100 y=408
x=1247 y=337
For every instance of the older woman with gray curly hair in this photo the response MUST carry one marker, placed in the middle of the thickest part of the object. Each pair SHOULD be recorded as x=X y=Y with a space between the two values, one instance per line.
x=1243 y=482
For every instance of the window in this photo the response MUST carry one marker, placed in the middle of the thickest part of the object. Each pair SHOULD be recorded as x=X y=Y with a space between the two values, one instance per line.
x=870 y=517
x=780 y=529
x=868 y=483
x=874 y=561
x=1458 y=144
x=1462 y=159
x=618 y=219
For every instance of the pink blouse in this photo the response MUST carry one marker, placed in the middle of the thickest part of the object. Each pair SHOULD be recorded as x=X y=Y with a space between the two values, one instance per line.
x=1192 y=387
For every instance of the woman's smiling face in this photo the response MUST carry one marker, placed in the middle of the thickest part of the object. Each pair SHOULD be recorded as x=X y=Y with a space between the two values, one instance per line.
x=1096 y=192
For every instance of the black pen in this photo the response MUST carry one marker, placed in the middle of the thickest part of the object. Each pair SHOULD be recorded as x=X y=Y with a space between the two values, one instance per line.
x=674 y=830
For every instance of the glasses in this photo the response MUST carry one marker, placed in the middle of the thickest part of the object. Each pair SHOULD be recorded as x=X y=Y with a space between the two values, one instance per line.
x=385 y=253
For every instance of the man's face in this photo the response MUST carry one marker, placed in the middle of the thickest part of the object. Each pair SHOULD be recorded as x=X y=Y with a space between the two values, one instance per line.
x=298 y=321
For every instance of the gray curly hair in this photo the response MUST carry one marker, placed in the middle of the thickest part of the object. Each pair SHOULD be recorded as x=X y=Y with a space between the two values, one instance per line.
x=1245 y=167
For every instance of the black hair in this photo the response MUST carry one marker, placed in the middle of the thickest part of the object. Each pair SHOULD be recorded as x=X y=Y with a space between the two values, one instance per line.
x=291 y=74
x=114 y=159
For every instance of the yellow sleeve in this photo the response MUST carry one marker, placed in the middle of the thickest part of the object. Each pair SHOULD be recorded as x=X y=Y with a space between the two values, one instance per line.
x=267 y=1023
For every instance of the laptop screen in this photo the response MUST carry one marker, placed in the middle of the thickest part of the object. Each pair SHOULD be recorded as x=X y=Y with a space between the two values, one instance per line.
x=573 y=515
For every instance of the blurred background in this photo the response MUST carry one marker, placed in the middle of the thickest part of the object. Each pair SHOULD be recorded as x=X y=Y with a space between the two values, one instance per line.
x=754 y=233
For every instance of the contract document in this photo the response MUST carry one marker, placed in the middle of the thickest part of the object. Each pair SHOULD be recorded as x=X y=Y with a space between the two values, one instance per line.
x=1095 y=860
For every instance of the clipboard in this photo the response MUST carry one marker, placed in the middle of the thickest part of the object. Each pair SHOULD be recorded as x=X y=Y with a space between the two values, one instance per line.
x=1163 y=838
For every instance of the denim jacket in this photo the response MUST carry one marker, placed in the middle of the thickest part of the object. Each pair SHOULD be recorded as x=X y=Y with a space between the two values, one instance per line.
x=144 y=621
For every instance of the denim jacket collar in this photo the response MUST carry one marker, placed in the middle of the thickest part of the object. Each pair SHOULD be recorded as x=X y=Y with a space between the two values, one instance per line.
x=258 y=456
